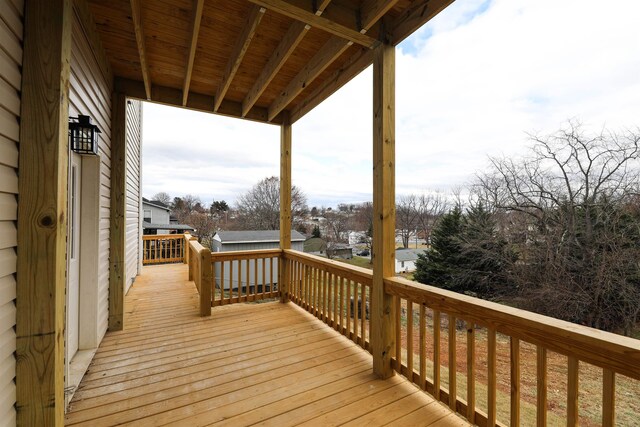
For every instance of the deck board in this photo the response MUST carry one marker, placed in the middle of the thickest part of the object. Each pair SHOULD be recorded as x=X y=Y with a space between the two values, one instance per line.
x=270 y=364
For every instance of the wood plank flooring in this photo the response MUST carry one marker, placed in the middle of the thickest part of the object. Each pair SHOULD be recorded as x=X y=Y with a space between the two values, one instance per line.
x=269 y=364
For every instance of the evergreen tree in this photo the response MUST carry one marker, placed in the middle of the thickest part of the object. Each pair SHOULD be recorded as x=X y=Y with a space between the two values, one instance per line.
x=316 y=231
x=439 y=264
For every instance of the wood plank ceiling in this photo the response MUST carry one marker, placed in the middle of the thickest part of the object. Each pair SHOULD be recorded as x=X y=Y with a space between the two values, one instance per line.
x=252 y=59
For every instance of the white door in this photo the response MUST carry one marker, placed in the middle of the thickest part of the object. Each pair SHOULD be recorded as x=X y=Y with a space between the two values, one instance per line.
x=73 y=272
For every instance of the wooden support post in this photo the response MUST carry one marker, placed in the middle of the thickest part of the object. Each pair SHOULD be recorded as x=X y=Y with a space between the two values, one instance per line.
x=206 y=281
x=42 y=213
x=117 y=230
x=285 y=204
x=384 y=215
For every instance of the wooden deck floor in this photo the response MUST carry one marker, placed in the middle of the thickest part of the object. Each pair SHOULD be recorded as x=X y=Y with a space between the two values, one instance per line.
x=270 y=364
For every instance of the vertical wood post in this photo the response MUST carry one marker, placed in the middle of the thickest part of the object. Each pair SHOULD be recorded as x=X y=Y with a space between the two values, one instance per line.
x=185 y=244
x=117 y=230
x=384 y=214
x=285 y=204
x=42 y=213
x=206 y=281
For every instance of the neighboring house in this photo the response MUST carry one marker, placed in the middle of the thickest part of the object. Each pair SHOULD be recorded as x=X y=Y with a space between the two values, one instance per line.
x=406 y=259
x=235 y=272
x=340 y=250
x=356 y=237
x=157 y=219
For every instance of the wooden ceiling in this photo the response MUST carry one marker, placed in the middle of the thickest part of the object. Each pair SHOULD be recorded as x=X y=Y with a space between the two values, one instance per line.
x=253 y=59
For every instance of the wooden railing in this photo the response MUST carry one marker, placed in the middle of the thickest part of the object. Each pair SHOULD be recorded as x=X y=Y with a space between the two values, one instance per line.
x=241 y=276
x=418 y=305
x=336 y=293
x=162 y=248
x=200 y=271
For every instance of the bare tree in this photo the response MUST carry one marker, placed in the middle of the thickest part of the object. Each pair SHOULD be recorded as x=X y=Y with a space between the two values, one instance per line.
x=163 y=198
x=407 y=217
x=569 y=204
x=259 y=208
x=430 y=207
x=337 y=228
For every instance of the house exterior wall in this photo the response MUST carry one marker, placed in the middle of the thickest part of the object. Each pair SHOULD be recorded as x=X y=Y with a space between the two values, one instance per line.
x=408 y=266
x=91 y=87
x=133 y=187
x=11 y=18
x=158 y=215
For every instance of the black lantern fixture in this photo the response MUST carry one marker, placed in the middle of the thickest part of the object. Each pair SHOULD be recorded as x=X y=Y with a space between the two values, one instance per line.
x=83 y=136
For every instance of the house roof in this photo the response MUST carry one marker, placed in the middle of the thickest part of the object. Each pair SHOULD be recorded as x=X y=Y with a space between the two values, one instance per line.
x=156 y=204
x=254 y=59
x=153 y=226
x=315 y=244
x=408 y=254
x=250 y=236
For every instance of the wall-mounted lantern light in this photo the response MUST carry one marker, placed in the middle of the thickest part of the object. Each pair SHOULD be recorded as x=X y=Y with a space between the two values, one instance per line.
x=83 y=136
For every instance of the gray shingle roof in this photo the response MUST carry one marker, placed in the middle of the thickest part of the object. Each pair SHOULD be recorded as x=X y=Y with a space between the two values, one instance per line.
x=256 y=236
x=408 y=254
x=152 y=226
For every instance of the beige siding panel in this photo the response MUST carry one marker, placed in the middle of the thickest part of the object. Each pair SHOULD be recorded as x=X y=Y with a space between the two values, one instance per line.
x=133 y=196
x=10 y=84
x=90 y=94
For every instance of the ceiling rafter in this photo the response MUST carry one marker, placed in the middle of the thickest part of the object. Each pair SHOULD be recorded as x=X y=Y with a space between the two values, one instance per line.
x=325 y=56
x=136 y=16
x=372 y=10
x=195 y=30
x=238 y=52
x=316 y=65
x=292 y=38
x=289 y=42
x=344 y=29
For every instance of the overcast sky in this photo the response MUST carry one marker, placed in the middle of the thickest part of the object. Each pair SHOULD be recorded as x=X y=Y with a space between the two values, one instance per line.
x=471 y=83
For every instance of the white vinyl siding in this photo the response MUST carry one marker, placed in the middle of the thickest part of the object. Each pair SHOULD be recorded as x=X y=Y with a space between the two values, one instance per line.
x=11 y=18
x=133 y=188
x=90 y=94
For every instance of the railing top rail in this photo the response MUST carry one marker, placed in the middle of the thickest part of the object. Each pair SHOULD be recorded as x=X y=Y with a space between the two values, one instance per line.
x=241 y=255
x=618 y=353
x=359 y=274
x=162 y=236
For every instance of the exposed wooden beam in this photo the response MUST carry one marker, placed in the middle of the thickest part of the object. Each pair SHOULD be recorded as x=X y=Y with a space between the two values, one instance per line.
x=384 y=215
x=195 y=30
x=117 y=236
x=196 y=101
x=292 y=38
x=136 y=15
x=316 y=65
x=238 y=52
x=42 y=213
x=285 y=204
x=354 y=66
x=415 y=16
x=372 y=10
x=348 y=32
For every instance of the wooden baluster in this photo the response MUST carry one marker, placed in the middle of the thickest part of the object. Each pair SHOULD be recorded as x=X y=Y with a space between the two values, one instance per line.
x=230 y=282
x=453 y=392
x=515 y=381
x=608 y=398
x=398 y=321
x=271 y=273
x=316 y=293
x=436 y=354
x=541 y=367
x=239 y=280
x=341 y=296
x=572 y=392
x=222 y=298
x=363 y=314
x=423 y=348
x=410 y=340
x=334 y=283
x=348 y=302
x=471 y=372
x=305 y=286
x=327 y=293
x=248 y=289
x=491 y=381
x=264 y=276
x=356 y=314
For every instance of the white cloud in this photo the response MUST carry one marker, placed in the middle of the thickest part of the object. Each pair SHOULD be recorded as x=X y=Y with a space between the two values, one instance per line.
x=472 y=83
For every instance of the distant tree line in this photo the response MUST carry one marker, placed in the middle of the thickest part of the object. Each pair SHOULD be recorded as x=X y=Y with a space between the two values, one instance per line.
x=556 y=232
